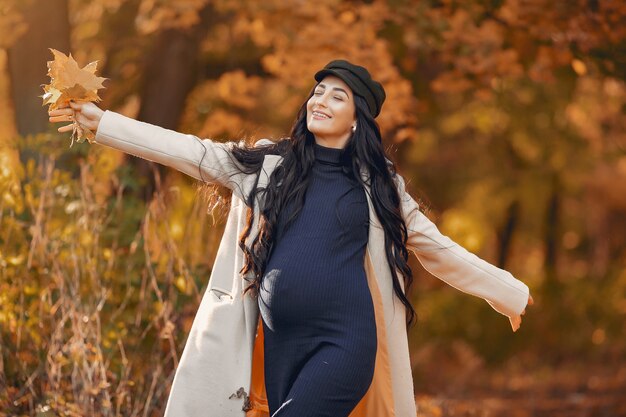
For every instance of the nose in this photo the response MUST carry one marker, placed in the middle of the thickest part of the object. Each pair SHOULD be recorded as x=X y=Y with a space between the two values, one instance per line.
x=321 y=100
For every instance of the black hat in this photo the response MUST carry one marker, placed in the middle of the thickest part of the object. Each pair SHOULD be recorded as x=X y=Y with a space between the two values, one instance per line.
x=359 y=80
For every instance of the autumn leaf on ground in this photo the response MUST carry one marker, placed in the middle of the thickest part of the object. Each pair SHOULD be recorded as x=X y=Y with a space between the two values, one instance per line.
x=69 y=82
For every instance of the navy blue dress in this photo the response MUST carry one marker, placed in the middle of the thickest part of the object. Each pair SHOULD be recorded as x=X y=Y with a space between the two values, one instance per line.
x=314 y=300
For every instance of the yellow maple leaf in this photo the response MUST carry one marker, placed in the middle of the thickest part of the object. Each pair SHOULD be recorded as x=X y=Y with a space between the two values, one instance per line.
x=51 y=96
x=69 y=82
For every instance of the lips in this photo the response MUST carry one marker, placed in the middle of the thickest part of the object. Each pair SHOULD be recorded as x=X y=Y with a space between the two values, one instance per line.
x=316 y=116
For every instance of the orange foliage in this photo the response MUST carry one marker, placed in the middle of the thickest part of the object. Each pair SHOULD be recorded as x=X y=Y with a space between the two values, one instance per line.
x=508 y=114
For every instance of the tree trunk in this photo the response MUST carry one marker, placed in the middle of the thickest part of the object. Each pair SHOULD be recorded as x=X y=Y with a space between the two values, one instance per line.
x=505 y=235
x=171 y=72
x=48 y=27
x=552 y=237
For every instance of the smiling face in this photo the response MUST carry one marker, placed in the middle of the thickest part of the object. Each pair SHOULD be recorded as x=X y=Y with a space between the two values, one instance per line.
x=331 y=112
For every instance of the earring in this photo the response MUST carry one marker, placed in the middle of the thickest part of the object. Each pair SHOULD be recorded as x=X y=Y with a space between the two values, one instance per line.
x=354 y=128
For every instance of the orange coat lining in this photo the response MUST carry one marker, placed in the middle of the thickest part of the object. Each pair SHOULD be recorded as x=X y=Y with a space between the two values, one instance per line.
x=377 y=401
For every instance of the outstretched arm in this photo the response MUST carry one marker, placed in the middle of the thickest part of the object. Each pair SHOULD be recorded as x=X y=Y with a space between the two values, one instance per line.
x=450 y=262
x=202 y=159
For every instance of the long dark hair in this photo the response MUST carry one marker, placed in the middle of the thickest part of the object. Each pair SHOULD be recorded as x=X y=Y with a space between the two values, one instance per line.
x=289 y=180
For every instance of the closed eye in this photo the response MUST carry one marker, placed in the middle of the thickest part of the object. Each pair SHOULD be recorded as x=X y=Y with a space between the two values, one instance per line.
x=336 y=97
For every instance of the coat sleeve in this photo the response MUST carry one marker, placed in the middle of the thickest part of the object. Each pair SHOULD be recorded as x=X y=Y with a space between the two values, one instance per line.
x=453 y=264
x=202 y=159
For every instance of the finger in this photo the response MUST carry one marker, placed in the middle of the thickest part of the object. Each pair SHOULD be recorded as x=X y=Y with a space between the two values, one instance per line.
x=515 y=322
x=67 y=128
x=61 y=118
x=58 y=112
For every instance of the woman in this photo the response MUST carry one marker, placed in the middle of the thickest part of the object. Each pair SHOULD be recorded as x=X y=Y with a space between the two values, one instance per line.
x=301 y=312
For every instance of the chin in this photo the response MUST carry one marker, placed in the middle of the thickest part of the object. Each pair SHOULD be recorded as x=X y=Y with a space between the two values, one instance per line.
x=320 y=131
x=314 y=129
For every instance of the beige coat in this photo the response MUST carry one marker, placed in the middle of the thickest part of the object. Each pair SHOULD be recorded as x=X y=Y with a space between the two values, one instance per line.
x=221 y=368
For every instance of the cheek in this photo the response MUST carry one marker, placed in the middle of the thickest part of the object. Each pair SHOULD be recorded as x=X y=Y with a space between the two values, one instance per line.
x=344 y=114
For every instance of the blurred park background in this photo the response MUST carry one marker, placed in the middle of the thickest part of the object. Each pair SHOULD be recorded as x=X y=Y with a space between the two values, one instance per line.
x=506 y=117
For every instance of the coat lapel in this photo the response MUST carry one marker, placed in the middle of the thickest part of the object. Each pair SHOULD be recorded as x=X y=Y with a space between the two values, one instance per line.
x=221 y=370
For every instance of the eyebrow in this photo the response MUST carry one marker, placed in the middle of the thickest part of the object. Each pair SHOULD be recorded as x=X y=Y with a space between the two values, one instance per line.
x=335 y=88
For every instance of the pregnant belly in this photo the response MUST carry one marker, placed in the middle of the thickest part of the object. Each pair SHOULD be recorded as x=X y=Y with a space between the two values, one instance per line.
x=300 y=296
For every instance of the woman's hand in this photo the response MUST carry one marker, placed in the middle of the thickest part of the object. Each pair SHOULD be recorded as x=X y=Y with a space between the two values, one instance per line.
x=530 y=302
x=516 y=321
x=86 y=114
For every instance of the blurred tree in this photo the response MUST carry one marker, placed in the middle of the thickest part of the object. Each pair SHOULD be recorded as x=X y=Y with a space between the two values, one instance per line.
x=508 y=115
x=45 y=25
x=170 y=73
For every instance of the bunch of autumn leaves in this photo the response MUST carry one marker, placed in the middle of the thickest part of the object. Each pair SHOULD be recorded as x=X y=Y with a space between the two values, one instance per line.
x=69 y=82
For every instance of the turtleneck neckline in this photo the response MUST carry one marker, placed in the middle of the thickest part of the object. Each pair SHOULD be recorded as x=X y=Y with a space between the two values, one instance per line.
x=327 y=154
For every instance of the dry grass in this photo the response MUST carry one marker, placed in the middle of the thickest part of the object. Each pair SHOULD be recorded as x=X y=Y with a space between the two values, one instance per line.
x=93 y=312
